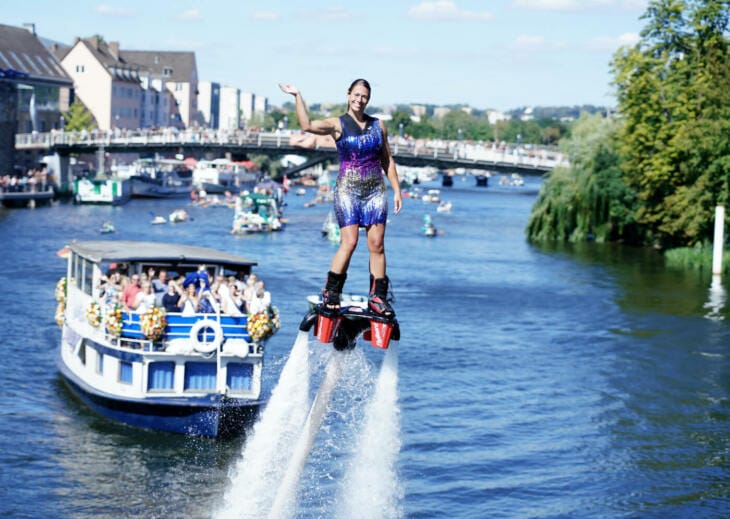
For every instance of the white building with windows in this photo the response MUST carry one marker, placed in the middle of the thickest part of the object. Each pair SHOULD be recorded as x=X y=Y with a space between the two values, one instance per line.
x=230 y=109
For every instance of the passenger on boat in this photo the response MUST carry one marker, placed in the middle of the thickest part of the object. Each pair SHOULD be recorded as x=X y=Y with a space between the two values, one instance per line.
x=360 y=198
x=171 y=298
x=261 y=300
x=130 y=292
x=145 y=299
x=159 y=284
x=189 y=303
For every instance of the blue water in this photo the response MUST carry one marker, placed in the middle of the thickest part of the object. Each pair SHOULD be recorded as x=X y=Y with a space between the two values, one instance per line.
x=553 y=381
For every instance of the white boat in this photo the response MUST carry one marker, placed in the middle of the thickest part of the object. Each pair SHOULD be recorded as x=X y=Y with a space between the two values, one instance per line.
x=160 y=178
x=444 y=207
x=157 y=220
x=178 y=216
x=256 y=212
x=221 y=175
x=191 y=373
x=114 y=190
x=432 y=196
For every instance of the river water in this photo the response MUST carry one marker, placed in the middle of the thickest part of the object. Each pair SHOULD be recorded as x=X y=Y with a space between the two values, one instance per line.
x=533 y=381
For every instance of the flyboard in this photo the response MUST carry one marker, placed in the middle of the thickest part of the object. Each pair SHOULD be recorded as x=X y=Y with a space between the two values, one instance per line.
x=341 y=328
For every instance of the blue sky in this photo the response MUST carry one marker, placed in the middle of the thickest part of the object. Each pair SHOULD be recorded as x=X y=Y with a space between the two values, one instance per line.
x=490 y=54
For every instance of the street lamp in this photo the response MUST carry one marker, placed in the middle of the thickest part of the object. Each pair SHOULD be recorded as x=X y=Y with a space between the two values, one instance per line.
x=286 y=122
x=458 y=135
x=400 y=130
x=62 y=122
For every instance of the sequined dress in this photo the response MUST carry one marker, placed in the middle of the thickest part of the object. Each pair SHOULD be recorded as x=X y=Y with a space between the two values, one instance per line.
x=360 y=194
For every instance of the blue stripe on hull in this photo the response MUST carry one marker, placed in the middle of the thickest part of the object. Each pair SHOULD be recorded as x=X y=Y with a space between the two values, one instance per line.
x=199 y=416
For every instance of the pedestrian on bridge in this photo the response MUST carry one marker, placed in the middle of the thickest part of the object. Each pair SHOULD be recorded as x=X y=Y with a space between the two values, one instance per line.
x=360 y=194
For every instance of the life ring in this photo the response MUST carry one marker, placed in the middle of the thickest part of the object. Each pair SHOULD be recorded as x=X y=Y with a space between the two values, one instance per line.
x=206 y=346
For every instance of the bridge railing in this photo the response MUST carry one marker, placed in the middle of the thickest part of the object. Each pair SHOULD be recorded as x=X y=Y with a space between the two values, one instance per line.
x=458 y=151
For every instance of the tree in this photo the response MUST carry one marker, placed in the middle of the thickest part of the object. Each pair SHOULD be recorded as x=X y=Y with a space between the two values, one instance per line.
x=673 y=97
x=78 y=118
x=590 y=199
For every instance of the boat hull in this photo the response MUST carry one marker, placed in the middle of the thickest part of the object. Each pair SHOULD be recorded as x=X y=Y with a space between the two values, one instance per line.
x=212 y=416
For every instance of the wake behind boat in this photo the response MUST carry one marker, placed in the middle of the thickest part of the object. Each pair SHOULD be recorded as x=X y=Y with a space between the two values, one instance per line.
x=190 y=372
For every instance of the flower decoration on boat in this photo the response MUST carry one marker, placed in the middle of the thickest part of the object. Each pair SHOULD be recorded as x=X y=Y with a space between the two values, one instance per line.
x=93 y=314
x=61 y=290
x=114 y=319
x=60 y=316
x=153 y=323
x=264 y=324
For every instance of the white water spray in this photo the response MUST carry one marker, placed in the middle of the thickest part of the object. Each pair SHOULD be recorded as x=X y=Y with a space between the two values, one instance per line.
x=371 y=489
x=270 y=445
x=287 y=492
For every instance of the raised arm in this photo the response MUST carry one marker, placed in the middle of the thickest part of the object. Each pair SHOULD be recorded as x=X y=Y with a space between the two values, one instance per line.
x=388 y=165
x=329 y=126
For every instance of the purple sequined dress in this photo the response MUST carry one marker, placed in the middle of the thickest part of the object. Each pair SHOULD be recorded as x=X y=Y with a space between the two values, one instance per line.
x=360 y=195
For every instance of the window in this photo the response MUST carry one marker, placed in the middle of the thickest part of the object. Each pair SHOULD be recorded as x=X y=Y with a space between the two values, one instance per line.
x=167 y=71
x=79 y=68
x=100 y=363
x=125 y=372
x=178 y=87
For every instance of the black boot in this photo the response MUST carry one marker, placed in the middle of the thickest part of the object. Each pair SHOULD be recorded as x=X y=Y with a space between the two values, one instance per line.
x=378 y=302
x=332 y=291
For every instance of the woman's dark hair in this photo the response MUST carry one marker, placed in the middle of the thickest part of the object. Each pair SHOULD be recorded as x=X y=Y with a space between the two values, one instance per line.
x=363 y=82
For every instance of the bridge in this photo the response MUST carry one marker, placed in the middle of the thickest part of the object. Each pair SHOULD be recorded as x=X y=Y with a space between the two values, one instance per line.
x=457 y=155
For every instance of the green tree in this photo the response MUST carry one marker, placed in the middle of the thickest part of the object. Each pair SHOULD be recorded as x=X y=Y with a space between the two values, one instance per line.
x=78 y=118
x=590 y=199
x=673 y=96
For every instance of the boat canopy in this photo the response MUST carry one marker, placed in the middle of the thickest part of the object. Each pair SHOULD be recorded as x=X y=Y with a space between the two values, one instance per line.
x=142 y=251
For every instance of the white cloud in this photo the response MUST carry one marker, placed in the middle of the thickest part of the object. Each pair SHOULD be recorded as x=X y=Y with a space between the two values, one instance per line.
x=604 y=43
x=266 y=16
x=191 y=15
x=445 y=10
x=106 y=10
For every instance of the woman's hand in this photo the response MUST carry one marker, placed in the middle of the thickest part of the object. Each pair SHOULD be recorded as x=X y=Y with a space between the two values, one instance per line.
x=289 y=89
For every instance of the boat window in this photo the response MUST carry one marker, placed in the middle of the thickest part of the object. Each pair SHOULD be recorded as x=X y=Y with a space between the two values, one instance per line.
x=125 y=372
x=100 y=363
x=82 y=352
x=88 y=277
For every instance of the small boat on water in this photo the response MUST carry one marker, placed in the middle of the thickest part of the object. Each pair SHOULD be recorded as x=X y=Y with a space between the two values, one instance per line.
x=191 y=372
x=432 y=196
x=444 y=207
x=256 y=212
x=157 y=220
x=331 y=229
x=429 y=229
x=178 y=216
x=107 y=228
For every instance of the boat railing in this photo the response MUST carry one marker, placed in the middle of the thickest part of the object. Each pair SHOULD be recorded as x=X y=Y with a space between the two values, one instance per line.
x=181 y=328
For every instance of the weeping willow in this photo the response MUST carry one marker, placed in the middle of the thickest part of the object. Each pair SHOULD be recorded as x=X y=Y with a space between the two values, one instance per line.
x=589 y=200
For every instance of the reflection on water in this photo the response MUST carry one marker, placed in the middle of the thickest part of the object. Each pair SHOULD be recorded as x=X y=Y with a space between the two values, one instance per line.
x=716 y=299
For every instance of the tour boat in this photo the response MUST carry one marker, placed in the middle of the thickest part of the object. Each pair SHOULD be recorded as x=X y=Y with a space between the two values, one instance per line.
x=191 y=373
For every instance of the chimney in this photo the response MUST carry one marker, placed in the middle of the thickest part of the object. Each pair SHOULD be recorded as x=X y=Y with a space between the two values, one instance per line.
x=77 y=39
x=114 y=48
x=30 y=27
